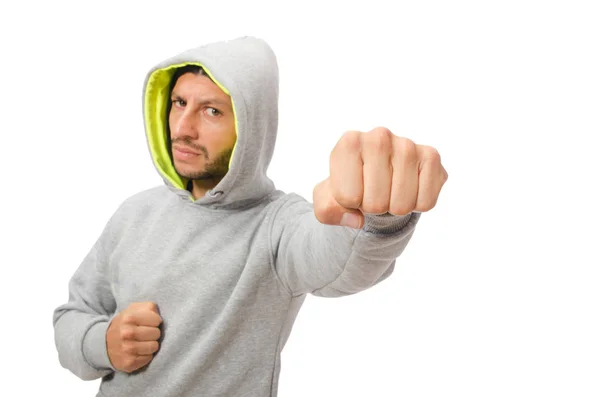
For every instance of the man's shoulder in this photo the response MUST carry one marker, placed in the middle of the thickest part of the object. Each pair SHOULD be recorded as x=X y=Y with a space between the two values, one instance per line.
x=144 y=199
x=148 y=195
x=288 y=201
x=279 y=196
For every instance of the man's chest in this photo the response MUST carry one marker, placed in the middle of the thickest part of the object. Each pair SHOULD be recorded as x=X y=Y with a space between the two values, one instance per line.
x=206 y=264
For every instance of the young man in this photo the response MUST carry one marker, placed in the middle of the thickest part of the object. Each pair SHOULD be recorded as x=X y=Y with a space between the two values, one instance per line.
x=193 y=286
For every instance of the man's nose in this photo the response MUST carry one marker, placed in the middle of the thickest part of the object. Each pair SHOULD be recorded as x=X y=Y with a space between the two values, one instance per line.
x=187 y=126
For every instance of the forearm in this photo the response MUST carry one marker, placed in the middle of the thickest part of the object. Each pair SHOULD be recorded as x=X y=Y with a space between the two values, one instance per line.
x=80 y=340
x=373 y=254
x=80 y=324
x=325 y=260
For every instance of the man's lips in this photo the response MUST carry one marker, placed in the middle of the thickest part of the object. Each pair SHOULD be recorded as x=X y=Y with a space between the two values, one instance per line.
x=185 y=150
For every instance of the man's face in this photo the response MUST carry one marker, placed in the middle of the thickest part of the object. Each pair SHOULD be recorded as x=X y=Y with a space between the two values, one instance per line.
x=202 y=128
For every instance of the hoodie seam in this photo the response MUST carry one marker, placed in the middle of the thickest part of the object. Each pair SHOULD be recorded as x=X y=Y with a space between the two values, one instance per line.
x=281 y=284
x=272 y=256
x=278 y=348
x=238 y=145
x=342 y=270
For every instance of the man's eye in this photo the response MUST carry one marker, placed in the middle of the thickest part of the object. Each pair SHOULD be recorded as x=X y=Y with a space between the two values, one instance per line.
x=178 y=102
x=214 y=112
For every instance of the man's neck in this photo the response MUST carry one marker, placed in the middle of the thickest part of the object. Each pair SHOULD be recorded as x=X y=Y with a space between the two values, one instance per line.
x=200 y=187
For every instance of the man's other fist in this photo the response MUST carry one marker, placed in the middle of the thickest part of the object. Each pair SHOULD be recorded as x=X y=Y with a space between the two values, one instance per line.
x=132 y=337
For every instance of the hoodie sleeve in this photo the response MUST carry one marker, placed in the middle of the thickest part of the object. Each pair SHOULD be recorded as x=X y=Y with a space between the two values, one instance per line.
x=334 y=261
x=80 y=324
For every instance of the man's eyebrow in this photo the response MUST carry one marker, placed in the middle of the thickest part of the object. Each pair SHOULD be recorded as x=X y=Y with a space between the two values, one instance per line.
x=203 y=101
x=216 y=101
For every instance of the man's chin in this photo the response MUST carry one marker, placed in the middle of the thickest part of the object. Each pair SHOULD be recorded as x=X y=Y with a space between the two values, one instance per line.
x=189 y=172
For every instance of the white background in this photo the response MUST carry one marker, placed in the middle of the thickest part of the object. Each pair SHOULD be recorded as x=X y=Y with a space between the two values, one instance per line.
x=498 y=293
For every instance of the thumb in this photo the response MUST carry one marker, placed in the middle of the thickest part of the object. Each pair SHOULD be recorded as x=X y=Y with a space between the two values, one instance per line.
x=328 y=211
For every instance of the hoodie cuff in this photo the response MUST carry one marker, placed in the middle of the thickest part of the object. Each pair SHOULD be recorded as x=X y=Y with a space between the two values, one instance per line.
x=388 y=223
x=94 y=346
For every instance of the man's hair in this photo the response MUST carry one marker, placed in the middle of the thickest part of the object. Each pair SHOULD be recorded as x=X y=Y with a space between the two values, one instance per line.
x=195 y=69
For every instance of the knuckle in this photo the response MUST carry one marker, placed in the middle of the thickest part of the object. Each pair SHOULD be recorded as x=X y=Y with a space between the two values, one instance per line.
x=128 y=318
x=382 y=130
x=129 y=363
x=154 y=346
x=129 y=348
x=379 y=140
x=432 y=154
x=426 y=205
x=156 y=320
x=329 y=206
x=345 y=200
x=406 y=146
x=350 y=141
x=322 y=211
x=126 y=333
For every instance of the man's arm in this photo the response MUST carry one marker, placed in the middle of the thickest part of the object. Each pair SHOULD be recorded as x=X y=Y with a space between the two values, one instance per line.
x=333 y=261
x=80 y=324
x=343 y=246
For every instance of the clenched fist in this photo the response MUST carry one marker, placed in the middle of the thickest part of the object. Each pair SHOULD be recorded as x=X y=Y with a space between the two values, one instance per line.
x=132 y=337
x=377 y=172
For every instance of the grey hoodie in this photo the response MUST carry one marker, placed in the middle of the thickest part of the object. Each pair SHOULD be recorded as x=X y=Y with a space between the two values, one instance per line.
x=229 y=271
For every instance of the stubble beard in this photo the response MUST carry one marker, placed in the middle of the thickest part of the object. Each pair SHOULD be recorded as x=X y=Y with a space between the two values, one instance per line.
x=213 y=170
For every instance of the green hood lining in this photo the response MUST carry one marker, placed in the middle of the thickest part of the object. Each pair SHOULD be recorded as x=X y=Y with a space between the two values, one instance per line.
x=155 y=104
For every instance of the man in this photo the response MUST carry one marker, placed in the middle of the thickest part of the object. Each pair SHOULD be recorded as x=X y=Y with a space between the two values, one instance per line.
x=193 y=286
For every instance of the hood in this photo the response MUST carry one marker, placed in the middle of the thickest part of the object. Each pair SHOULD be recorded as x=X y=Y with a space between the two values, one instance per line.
x=246 y=69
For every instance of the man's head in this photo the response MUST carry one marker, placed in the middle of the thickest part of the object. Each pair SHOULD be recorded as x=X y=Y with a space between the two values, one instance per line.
x=201 y=126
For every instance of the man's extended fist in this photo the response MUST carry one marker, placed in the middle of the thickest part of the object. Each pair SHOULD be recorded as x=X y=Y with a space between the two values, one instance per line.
x=132 y=337
x=377 y=172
